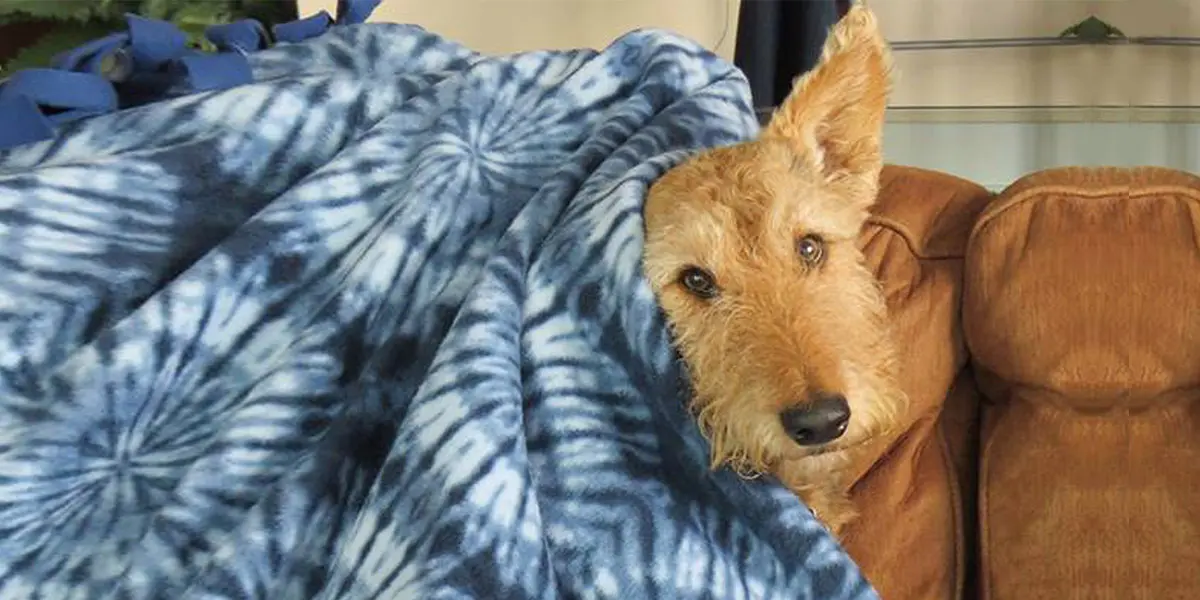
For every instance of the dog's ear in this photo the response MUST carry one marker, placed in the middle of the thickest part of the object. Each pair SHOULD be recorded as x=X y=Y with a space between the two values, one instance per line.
x=833 y=117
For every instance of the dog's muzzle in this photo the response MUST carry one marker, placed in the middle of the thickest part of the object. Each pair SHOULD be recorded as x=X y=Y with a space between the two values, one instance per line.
x=819 y=421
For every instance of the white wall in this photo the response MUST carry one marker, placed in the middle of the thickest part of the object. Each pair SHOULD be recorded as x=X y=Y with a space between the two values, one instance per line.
x=504 y=26
x=996 y=154
x=997 y=138
x=1116 y=75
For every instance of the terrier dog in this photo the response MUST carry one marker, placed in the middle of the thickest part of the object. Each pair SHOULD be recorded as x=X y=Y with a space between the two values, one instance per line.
x=752 y=253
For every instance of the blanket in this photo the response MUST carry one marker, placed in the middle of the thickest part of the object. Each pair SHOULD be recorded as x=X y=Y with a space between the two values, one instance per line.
x=373 y=326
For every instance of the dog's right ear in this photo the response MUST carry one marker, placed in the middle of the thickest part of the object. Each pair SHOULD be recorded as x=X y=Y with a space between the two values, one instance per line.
x=833 y=117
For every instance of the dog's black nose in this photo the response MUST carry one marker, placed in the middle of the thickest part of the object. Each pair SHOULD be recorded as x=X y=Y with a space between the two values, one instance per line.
x=819 y=421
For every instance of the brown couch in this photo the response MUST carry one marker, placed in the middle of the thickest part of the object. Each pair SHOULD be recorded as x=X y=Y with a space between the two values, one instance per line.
x=1051 y=336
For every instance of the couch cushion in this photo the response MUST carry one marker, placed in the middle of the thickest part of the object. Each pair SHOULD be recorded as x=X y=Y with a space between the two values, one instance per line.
x=906 y=537
x=1081 y=309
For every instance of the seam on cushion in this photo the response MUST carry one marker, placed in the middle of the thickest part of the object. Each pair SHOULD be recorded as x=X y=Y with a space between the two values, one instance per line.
x=897 y=228
x=1079 y=176
x=952 y=478
x=956 y=508
x=994 y=210
x=985 y=452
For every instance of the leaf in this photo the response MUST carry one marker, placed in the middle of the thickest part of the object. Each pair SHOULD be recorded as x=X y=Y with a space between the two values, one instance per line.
x=62 y=38
x=62 y=10
x=84 y=20
x=158 y=9
x=205 y=14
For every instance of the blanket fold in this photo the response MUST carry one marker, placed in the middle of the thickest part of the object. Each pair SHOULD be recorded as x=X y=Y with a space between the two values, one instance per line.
x=373 y=326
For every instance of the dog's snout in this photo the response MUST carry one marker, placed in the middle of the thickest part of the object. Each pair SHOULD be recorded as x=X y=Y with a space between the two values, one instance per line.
x=819 y=421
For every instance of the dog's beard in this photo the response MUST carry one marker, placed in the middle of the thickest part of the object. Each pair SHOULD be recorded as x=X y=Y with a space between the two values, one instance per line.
x=755 y=445
x=752 y=441
x=749 y=445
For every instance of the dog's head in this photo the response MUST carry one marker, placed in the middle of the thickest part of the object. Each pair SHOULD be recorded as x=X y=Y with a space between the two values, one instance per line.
x=752 y=252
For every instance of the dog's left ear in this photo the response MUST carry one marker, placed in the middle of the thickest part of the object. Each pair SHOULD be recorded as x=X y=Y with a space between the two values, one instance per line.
x=833 y=117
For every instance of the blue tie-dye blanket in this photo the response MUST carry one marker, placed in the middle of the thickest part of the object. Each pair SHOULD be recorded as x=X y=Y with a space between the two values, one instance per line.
x=373 y=327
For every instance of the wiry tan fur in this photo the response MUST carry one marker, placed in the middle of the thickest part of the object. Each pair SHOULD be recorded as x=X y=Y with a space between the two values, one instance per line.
x=781 y=329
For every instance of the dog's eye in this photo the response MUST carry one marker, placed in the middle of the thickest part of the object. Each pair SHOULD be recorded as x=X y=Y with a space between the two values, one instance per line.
x=811 y=249
x=699 y=282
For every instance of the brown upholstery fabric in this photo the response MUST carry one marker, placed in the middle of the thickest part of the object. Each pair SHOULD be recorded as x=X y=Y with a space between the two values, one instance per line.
x=959 y=429
x=906 y=539
x=1081 y=309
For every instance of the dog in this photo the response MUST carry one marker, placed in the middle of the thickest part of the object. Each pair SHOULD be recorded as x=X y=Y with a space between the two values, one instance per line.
x=751 y=251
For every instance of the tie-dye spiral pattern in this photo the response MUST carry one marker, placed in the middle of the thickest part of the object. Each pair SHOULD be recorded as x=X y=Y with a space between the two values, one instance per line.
x=373 y=327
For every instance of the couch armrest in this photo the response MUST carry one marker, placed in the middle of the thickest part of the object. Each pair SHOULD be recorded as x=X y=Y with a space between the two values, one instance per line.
x=907 y=538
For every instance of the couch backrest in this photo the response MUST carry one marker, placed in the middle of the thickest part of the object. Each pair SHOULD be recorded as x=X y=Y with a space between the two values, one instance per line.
x=1081 y=311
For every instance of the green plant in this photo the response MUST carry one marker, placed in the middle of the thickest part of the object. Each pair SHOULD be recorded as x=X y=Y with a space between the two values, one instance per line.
x=77 y=21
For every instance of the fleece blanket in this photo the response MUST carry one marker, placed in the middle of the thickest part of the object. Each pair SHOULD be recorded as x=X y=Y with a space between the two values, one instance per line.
x=373 y=326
